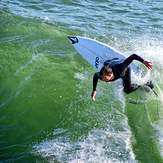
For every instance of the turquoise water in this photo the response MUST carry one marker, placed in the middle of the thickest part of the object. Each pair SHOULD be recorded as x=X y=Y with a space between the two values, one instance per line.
x=46 y=111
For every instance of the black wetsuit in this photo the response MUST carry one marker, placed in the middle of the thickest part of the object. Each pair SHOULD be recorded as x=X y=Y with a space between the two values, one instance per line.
x=121 y=69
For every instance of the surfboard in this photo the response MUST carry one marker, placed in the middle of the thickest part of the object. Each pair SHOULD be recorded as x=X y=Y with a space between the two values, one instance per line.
x=97 y=53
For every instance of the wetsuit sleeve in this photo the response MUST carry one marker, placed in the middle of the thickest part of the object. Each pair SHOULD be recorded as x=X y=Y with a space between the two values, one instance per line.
x=131 y=58
x=122 y=66
x=95 y=80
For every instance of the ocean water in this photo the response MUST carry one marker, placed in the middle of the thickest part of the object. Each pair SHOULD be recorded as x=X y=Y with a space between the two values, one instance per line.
x=46 y=111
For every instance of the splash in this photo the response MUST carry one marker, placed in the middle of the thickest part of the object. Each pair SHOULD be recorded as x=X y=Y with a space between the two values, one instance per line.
x=101 y=145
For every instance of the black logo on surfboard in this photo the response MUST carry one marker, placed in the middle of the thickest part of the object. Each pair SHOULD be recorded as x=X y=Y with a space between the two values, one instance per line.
x=73 y=40
x=96 y=62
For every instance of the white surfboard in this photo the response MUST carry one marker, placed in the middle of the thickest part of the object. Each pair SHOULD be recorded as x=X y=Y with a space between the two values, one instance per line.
x=97 y=53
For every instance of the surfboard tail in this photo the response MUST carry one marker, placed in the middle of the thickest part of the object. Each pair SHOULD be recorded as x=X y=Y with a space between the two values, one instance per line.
x=73 y=39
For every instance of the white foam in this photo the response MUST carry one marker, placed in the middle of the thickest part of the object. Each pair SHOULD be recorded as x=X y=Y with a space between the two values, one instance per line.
x=101 y=145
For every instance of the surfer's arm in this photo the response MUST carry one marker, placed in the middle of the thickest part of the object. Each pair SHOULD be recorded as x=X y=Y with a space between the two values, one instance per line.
x=138 y=58
x=131 y=58
x=95 y=80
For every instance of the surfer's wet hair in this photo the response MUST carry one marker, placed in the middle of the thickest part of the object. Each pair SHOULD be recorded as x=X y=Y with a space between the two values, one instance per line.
x=105 y=70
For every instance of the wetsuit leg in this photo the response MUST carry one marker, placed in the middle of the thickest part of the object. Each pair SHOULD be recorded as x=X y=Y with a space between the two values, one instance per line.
x=128 y=87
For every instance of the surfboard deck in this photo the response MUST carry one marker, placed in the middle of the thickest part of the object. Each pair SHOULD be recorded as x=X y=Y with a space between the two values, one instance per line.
x=97 y=53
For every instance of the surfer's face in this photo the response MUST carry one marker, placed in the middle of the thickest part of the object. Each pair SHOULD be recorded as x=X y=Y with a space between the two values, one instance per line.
x=105 y=78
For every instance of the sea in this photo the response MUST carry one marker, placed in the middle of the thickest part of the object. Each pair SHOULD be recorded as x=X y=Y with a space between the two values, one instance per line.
x=47 y=114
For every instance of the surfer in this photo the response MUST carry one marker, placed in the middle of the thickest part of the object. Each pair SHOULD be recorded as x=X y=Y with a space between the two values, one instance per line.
x=118 y=68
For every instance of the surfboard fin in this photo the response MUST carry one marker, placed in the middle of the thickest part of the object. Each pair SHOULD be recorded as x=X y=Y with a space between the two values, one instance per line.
x=73 y=39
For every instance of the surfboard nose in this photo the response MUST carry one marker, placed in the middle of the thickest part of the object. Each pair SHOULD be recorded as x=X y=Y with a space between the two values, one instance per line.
x=73 y=39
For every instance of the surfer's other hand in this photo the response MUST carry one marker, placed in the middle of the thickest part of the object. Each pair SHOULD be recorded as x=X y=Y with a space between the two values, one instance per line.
x=93 y=95
x=148 y=64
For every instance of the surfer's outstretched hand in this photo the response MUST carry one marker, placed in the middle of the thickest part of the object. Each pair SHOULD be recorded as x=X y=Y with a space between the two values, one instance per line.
x=148 y=64
x=93 y=95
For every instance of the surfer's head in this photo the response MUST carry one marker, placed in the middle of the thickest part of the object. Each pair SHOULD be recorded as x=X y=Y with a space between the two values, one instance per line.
x=106 y=73
x=106 y=70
